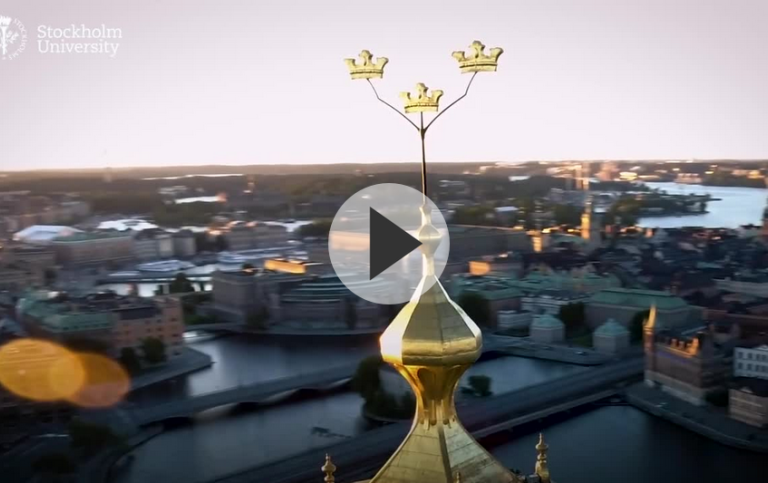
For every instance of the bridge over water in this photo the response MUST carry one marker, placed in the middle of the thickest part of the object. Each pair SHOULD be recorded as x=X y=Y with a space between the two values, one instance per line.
x=359 y=457
x=262 y=391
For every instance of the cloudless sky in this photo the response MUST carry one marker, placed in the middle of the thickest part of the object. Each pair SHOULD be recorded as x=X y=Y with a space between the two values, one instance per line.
x=248 y=82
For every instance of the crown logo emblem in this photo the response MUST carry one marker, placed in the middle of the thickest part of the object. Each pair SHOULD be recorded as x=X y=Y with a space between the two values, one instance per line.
x=5 y=21
x=366 y=69
x=477 y=60
x=421 y=102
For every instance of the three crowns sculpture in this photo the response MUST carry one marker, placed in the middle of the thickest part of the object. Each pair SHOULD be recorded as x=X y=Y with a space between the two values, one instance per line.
x=474 y=61
x=432 y=341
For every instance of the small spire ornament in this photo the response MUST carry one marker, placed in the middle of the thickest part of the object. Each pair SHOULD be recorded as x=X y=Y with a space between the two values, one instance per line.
x=542 y=469
x=329 y=469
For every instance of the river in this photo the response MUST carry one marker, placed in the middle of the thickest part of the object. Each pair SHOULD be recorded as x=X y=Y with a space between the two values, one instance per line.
x=624 y=444
x=735 y=206
x=228 y=439
x=608 y=443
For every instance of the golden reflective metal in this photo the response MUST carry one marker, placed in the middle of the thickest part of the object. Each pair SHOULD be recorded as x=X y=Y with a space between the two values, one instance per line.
x=542 y=470
x=421 y=102
x=477 y=60
x=366 y=69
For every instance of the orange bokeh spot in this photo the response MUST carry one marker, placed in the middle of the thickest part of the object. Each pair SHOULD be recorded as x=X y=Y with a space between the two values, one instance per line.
x=106 y=382
x=40 y=370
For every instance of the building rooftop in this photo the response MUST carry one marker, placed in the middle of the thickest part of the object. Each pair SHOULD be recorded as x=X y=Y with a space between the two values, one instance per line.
x=59 y=312
x=93 y=235
x=43 y=233
x=547 y=321
x=641 y=299
x=489 y=286
x=611 y=329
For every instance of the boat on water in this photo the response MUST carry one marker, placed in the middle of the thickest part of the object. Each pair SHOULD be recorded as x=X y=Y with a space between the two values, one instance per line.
x=165 y=266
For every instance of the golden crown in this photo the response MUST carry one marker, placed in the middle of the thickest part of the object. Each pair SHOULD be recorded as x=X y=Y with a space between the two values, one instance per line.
x=421 y=102
x=366 y=69
x=477 y=61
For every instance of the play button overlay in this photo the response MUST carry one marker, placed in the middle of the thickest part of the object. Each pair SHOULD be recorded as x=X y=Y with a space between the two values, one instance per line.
x=389 y=243
x=374 y=242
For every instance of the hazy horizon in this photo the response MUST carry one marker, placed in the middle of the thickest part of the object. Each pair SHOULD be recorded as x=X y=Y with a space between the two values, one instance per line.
x=190 y=86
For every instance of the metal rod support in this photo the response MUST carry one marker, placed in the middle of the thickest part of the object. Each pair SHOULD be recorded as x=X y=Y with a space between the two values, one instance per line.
x=452 y=103
x=391 y=106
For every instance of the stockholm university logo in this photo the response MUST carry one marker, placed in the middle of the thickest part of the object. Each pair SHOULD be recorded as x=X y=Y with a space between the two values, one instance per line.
x=13 y=38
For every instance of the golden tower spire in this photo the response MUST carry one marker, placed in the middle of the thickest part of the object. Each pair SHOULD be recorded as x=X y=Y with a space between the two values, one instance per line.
x=432 y=341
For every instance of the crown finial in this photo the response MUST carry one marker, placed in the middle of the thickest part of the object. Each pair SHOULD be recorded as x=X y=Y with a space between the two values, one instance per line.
x=421 y=102
x=477 y=60
x=366 y=69
x=329 y=469
x=542 y=469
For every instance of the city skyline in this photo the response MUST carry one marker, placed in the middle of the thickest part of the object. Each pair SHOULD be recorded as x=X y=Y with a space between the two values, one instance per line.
x=189 y=85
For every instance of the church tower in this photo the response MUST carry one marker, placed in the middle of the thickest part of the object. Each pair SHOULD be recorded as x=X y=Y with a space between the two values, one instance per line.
x=590 y=227
x=649 y=345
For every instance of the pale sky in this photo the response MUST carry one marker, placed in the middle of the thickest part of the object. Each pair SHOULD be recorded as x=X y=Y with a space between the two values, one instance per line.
x=249 y=82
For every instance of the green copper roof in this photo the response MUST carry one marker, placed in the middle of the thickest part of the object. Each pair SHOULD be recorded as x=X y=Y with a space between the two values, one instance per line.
x=490 y=287
x=611 y=329
x=547 y=321
x=639 y=299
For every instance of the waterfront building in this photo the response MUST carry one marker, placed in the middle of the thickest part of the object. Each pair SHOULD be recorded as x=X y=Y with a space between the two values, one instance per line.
x=513 y=319
x=582 y=279
x=547 y=329
x=298 y=298
x=611 y=338
x=152 y=244
x=184 y=244
x=540 y=239
x=751 y=361
x=622 y=304
x=238 y=237
x=21 y=209
x=241 y=236
x=297 y=267
x=471 y=242
x=689 y=366
x=19 y=276
x=136 y=319
x=498 y=291
x=93 y=248
x=36 y=255
x=104 y=320
x=748 y=401
x=550 y=300
x=507 y=263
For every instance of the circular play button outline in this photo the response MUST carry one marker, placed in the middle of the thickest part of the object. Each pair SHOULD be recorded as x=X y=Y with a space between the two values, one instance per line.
x=389 y=269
